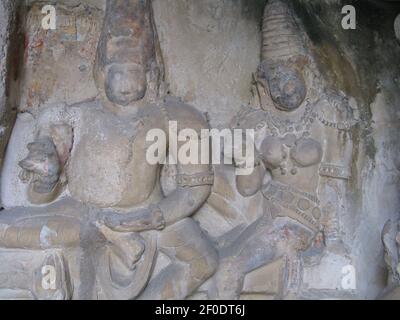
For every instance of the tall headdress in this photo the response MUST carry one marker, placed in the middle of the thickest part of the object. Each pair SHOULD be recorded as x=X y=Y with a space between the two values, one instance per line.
x=282 y=37
x=128 y=36
x=283 y=57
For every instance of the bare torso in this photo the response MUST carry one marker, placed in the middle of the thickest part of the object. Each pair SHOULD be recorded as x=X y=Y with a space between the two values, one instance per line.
x=108 y=166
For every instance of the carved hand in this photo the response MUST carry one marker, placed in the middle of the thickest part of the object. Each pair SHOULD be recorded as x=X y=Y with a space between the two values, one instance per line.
x=41 y=166
x=138 y=221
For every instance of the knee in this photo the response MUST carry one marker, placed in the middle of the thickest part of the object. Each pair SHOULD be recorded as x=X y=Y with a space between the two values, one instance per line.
x=187 y=244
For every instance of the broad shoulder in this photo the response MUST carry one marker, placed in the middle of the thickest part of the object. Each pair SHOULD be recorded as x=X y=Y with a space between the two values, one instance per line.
x=184 y=114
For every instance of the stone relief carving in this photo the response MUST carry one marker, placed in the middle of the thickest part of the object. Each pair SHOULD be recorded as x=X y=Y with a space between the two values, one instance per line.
x=111 y=225
x=97 y=149
x=303 y=141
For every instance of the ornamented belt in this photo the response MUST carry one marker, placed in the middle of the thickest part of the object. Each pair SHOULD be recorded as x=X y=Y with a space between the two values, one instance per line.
x=334 y=171
x=199 y=179
x=302 y=206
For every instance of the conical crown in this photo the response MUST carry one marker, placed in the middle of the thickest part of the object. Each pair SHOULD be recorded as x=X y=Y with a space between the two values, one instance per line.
x=127 y=35
x=281 y=35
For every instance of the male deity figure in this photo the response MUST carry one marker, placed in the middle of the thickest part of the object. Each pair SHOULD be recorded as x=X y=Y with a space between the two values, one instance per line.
x=95 y=152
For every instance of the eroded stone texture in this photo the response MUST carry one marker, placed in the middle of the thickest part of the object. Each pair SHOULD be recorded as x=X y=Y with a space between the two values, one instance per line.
x=10 y=48
x=95 y=152
x=82 y=200
x=391 y=242
x=303 y=139
x=66 y=55
x=210 y=64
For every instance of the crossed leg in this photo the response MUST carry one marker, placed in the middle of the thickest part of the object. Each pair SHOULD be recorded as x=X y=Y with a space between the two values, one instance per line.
x=260 y=244
x=193 y=260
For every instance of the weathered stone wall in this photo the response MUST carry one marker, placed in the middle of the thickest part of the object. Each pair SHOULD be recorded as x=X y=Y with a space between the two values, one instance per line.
x=10 y=61
x=364 y=63
x=211 y=49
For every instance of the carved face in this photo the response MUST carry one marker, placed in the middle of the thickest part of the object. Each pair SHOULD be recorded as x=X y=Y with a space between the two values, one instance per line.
x=125 y=83
x=286 y=86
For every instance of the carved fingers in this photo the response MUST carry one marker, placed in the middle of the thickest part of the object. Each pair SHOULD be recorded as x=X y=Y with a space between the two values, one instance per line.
x=42 y=165
x=42 y=158
x=138 y=221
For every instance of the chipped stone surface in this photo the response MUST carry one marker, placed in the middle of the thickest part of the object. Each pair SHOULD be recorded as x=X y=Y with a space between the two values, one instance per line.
x=210 y=64
x=8 y=65
x=64 y=57
x=319 y=213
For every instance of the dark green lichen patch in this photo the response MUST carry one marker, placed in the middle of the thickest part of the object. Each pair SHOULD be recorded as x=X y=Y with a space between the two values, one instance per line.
x=353 y=60
x=359 y=62
x=253 y=10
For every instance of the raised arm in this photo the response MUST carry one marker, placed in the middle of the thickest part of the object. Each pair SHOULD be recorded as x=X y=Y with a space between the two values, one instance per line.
x=43 y=168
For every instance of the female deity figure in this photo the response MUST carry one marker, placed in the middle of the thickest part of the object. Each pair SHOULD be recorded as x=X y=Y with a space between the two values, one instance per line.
x=95 y=151
x=302 y=134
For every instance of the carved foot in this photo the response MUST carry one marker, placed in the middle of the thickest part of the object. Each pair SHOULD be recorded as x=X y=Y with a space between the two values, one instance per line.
x=128 y=247
x=228 y=281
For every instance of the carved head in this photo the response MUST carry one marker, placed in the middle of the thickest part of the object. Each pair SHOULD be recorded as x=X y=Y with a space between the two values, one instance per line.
x=283 y=57
x=126 y=52
x=286 y=85
x=125 y=83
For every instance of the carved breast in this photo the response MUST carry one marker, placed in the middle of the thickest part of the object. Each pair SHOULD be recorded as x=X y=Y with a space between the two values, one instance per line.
x=304 y=152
